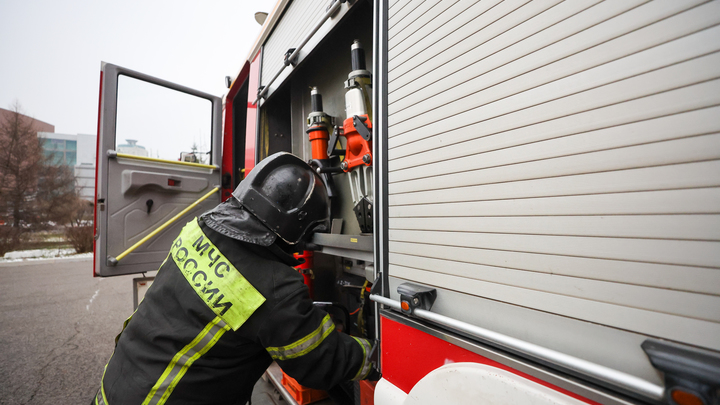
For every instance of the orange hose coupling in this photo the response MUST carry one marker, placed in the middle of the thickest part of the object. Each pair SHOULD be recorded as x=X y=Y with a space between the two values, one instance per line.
x=358 y=150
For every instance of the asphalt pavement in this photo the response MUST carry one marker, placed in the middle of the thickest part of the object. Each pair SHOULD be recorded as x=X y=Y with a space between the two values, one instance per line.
x=57 y=330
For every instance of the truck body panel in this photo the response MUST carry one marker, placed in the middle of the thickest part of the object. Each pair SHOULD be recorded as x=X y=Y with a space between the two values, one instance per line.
x=545 y=162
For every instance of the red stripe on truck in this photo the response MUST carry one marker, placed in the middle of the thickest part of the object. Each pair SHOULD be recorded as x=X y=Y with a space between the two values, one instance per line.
x=409 y=354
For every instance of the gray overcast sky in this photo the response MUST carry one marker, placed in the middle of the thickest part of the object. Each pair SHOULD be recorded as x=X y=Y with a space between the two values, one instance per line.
x=50 y=50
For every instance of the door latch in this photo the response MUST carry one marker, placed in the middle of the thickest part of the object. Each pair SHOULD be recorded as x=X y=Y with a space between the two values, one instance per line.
x=413 y=296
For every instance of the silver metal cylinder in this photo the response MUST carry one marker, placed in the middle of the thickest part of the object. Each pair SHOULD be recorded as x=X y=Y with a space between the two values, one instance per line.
x=354 y=103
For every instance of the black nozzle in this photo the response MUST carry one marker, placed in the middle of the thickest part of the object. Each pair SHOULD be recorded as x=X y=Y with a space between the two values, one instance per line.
x=358 y=56
x=316 y=100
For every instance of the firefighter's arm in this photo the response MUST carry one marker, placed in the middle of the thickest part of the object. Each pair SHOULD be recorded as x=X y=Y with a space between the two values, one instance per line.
x=302 y=339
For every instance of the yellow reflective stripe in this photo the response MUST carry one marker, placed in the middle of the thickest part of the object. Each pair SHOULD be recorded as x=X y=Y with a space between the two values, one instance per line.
x=164 y=261
x=304 y=345
x=366 y=365
x=215 y=280
x=181 y=362
x=125 y=324
x=176 y=359
x=102 y=388
x=209 y=345
x=101 y=398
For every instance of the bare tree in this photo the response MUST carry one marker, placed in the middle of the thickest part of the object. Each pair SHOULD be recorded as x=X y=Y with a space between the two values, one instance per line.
x=34 y=189
x=57 y=198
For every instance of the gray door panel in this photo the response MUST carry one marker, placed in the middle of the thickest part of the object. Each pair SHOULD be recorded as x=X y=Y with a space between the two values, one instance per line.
x=156 y=158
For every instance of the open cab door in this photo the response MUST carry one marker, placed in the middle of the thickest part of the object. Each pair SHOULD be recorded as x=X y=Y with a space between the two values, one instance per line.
x=159 y=151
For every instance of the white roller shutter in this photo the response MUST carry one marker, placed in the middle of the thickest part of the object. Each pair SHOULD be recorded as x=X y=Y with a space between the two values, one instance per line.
x=299 y=18
x=302 y=25
x=562 y=156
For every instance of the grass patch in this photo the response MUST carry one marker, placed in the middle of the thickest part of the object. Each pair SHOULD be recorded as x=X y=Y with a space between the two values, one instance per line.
x=54 y=239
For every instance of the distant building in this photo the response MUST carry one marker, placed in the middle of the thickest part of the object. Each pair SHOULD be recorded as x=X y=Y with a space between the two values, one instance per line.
x=132 y=148
x=38 y=125
x=77 y=151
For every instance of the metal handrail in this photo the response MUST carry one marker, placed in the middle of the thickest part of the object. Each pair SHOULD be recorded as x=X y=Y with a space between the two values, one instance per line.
x=614 y=377
x=333 y=8
x=114 y=154
x=113 y=260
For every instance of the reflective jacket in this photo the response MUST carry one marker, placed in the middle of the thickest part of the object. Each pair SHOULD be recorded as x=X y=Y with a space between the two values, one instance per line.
x=216 y=316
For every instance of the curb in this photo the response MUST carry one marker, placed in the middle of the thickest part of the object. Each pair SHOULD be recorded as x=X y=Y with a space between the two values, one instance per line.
x=49 y=260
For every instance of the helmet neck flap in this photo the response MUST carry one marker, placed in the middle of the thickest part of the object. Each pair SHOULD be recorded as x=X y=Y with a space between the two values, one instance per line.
x=232 y=220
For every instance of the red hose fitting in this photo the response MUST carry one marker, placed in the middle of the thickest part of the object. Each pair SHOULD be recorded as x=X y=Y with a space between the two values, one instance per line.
x=306 y=269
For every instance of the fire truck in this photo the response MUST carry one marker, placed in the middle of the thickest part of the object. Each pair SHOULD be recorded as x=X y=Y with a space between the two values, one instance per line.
x=526 y=194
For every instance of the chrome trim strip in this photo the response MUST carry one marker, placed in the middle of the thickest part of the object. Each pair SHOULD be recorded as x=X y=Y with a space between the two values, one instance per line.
x=613 y=377
x=380 y=159
x=540 y=371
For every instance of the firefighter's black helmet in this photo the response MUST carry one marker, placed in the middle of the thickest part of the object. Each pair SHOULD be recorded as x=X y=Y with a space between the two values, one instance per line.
x=287 y=196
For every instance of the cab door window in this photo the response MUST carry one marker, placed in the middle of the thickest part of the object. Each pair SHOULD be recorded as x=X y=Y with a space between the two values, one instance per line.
x=162 y=123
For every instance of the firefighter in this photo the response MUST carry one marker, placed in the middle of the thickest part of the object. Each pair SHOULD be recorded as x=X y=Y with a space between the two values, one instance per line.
x=225 y=303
